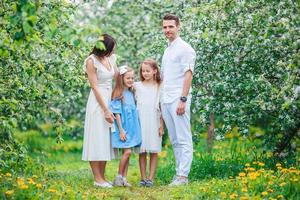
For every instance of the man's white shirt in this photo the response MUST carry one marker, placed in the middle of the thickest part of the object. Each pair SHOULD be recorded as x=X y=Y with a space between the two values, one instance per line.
x=179 y=57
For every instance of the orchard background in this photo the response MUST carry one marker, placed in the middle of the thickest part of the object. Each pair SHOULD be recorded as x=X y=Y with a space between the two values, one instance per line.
x=245 y=111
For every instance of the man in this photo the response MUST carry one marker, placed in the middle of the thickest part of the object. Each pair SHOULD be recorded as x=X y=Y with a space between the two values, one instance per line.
x=177 y=70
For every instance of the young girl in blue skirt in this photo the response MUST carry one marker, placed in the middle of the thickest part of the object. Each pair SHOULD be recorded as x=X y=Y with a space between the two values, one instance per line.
x=127 y=133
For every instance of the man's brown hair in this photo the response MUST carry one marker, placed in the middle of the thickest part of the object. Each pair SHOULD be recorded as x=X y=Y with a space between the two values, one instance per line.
x=172 y=17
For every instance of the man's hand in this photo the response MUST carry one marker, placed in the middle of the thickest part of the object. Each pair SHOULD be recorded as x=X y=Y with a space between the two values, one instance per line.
x=180 y=108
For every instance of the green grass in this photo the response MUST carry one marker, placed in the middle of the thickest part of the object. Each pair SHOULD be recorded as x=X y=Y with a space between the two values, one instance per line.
x=62 y=175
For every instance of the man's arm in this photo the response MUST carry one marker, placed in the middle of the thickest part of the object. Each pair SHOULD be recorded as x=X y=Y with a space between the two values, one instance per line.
x=188 y=77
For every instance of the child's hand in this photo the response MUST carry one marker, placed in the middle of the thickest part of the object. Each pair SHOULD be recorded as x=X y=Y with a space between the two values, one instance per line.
x=161 y=131
x=123 y=135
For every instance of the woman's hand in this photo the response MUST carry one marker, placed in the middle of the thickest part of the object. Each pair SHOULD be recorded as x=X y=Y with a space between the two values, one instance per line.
x=161 y=131
x=109 y=117
x=123 y=135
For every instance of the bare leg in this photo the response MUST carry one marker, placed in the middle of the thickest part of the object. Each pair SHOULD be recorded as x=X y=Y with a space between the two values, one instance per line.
x=143 y=164
x=123 y=162
x=96 y=172
x=126 y=168
x=102 y=165
x=153 y=165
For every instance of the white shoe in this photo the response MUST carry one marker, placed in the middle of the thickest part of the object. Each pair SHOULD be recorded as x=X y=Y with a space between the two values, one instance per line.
x=118 y=181
x=125 y=182
x=177 y=181
x=103 y=185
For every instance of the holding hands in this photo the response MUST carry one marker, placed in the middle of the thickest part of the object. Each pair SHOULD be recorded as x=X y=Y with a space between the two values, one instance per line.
x=122 y=135
x=109 y=117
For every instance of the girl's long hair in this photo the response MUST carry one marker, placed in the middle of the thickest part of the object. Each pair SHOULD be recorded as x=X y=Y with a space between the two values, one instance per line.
x=117 y=92
x=153 y=64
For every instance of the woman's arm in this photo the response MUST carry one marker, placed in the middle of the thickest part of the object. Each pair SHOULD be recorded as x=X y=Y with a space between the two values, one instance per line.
x=92 y=77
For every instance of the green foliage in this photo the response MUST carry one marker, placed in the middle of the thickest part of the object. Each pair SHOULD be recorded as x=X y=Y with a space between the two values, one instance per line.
x=41 y=75
x=247 y=68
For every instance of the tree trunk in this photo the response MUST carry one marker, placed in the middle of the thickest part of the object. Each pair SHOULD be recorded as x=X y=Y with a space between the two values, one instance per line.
x=211 y=132
x=285 y=142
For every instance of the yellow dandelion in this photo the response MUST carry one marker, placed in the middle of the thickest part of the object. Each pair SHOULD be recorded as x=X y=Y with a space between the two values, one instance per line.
x=20 y=181
x=282 y=184
x=9 y=192
x=251 y=169
x=261 y=164
x=38 y=185
x=31 y=181
x=264 y=193
x=284 y=170
x=162 y=154
x=278 y=165
x=244 y=190
x=247 y=165
x=280 y=196
x=253 y=175
x=244 y=198
x=8 y=174
x=24 y=187
x=242 y=174
x=292 y=168
x=52 y=190
x=233 y=196
x=279 y=168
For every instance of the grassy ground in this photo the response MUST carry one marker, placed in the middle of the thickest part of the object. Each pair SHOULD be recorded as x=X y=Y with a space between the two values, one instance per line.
x=235 y=170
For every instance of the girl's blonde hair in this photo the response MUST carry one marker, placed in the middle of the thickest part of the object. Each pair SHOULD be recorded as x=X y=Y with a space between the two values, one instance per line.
x=117 y=92
x=153 y=64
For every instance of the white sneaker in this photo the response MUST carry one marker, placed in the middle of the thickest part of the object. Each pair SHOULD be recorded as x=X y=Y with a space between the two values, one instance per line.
x=103 y=185
x=125 y=182
x=177 y=181
x=118 y=181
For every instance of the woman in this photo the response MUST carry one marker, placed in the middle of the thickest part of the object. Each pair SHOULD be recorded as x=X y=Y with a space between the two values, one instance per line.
x=101 y=68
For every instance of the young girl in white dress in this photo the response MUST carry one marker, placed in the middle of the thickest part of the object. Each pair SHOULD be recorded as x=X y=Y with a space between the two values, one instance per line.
x=100 y=67
x=147 y=96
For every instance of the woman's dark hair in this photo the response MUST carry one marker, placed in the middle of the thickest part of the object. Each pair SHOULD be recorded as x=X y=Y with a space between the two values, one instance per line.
x=109 y=44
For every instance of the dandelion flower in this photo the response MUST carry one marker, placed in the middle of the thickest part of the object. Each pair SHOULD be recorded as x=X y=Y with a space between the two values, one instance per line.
x=8 y=174
x=278 y=165
x=162 y=154
x=247 y=165
x=233 y=196
x=282 y=184
x=9 y=192
x=244 y=190
x=24 y=187
x=242 y=174
x=264 y=193
x=38 y=185
x=52 y=190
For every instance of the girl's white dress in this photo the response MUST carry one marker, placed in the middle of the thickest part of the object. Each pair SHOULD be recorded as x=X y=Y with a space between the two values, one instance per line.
x=147 y=97
x=97 y=139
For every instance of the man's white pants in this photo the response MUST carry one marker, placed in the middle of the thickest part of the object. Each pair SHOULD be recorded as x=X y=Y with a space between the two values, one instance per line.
x=179 y=129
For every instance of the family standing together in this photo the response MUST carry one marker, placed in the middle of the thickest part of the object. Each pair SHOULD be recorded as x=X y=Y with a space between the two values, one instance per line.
x=130 y=117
